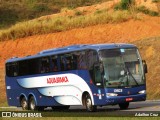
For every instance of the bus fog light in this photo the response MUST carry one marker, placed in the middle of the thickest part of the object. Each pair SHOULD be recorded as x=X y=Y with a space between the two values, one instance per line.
x=111 y=94
x=142 y=92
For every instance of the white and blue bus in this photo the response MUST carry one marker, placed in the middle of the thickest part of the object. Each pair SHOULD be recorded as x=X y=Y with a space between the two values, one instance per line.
x=88 y=75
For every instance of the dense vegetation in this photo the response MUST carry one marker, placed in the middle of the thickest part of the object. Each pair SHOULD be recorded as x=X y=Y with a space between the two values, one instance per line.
x=12 y=11
x=24 y=10
x=63 y=23
x=130 y=4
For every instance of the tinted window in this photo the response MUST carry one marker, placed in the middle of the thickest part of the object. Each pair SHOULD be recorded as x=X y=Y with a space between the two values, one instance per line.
x=54 y=64
x=44 y=65
x=12 y=69
x=28 y=67
x=68 y=62
x=92 y=58
x=82 y=60
x=23 y=67
x=33 y=65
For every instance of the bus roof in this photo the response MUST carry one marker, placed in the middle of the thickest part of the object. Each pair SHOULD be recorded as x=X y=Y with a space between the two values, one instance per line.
x=72 y=48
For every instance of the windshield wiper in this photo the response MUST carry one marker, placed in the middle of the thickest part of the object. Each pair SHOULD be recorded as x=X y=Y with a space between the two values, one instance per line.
x=131 y=75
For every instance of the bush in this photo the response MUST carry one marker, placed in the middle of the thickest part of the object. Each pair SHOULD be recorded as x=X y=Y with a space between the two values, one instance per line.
x=8 y=17
x=145 y=10
x=153 y=13
x=99 y=11
x=124 y=5
x=78 y=13
x=156 y=1
x=40 y=8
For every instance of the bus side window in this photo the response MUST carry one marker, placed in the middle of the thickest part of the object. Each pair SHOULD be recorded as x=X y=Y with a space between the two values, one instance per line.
x=69 y=64
x=15 y=69
x=92 y=58
x=23 y=68
x=54 y=63
x=33 y=65
x=82 y=60
x=63 y=63
x=8 y=69
x=12 y=69
x=44 y=65
x=74 y=61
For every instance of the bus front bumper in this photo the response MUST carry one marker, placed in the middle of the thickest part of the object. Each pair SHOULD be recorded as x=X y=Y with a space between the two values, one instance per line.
x=113 y=100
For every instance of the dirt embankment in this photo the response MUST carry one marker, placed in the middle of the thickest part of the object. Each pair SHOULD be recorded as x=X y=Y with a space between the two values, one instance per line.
x=150 y=51
x=123 y=32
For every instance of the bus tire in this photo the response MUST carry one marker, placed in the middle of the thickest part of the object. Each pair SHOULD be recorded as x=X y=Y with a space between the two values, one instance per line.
x=88 y=103
x=124 y=106
x=32 y=104
x=24 y=103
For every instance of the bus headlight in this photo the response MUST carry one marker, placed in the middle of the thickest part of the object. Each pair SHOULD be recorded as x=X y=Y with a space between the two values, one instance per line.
x=111 y=94
x=142 y=92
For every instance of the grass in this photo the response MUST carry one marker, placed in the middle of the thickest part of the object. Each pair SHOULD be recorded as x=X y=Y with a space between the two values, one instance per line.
x=78 y=20
x=78 y=115
x=89 y=118
x=11 y=11
x=99 y=11
x=50 y=25
x=145 y=10
x=2 y=88
x=78 y=13
x=74 y=114
x=130 y=5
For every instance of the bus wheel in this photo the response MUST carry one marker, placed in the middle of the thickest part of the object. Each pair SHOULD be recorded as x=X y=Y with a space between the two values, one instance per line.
x=32 y=103
x=24 y=103
x=88 y=103
x=124 y=106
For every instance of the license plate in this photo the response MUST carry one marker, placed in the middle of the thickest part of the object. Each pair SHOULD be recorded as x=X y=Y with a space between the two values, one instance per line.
x=129 y=99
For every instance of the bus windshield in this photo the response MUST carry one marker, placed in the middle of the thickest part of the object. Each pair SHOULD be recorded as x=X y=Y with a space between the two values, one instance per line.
x=122 y=67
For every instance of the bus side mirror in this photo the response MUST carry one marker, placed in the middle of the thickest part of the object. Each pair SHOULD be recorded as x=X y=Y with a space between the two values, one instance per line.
x=100 y=66
x=145 y=66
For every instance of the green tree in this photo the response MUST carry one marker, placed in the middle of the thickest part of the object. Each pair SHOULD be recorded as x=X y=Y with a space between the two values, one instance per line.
x=124 y=4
